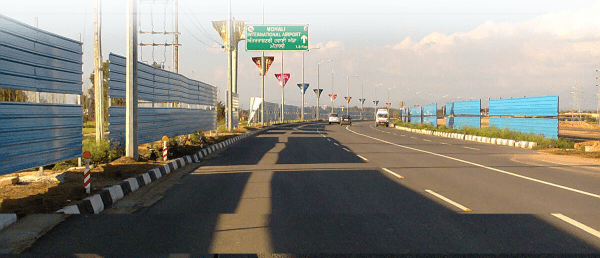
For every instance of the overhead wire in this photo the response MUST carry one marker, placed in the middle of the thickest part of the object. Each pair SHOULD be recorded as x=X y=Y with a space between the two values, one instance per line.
x=198 y=24
x=194 y=36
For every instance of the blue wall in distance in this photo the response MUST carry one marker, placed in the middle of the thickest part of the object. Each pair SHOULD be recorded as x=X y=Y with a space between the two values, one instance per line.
x=546 y=126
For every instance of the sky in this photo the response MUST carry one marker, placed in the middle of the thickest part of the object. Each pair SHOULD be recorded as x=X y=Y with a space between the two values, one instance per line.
x=423 y=52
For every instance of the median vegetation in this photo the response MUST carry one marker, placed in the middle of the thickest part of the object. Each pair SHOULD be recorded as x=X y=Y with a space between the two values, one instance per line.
x=494 y=132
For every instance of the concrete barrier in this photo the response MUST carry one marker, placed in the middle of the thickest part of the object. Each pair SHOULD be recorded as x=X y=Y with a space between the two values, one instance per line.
x=511 y=143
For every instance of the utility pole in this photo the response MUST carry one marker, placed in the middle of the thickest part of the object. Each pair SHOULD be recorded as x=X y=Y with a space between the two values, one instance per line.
x=131 y=87
x=98 y=73
x=282 y=90
x=176 y=41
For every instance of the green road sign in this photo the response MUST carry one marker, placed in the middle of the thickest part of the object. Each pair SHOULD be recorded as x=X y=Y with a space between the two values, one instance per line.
x=276 y=37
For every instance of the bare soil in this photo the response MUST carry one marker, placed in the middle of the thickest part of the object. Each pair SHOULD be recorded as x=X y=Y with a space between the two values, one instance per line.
x=35 y=194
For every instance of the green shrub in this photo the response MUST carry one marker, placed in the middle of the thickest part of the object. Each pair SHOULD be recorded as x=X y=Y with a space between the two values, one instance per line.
x=101 y=152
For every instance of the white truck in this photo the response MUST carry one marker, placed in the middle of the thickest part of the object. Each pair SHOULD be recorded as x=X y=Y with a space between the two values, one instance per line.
x=382 y=117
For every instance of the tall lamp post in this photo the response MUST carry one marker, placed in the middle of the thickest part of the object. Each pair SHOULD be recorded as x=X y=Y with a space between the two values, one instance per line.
x=348 y=95
x=318 y=91
x=302 y=89
x=376 y=101
x=362 y=99
x=332 y=100
x=388 y=97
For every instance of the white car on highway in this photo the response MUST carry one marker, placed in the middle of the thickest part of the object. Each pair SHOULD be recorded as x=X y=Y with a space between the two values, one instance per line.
x=334 y=118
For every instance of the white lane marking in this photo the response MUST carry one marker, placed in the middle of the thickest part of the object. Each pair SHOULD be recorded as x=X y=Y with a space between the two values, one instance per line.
x=391 y=172
x=346 y=149
x=426 y=140
x=335 y=143
x=444 y=143
x=387 y=132
x=363 y=158
x=448 y=200
x=328 y=139
x=486 y=167
x=413 y=137
x=403 y=135
x=577 y=224
x=471 y=148
x=395 y=134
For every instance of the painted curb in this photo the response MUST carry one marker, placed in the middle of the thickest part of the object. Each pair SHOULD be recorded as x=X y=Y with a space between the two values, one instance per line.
x=466 y=137
x=97 y=203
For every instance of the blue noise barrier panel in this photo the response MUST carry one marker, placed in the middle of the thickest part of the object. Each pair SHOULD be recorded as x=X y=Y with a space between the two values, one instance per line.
x=38 y=134
x=471 y=107
x=545 y=126
x=533 y=106
x=416 y=115
x=35 y=60
x=154 y=123
x=429 y=114
x=196 y=103
x=459 y=122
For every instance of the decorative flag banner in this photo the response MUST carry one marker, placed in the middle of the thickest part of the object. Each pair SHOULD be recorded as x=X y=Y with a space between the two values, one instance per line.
x=268 y=63
x=376 y=102
x=318 y=92
x=286 y=77
x=348 y=99
x=388 y=104
x=305 y=87
x=362 y=101
x=332 y=97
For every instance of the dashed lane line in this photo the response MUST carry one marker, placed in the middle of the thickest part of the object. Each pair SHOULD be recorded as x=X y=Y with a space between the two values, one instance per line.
x=363 y=158
x=448 y=200
x=346 y=149
x=577 y=224
x=485 y=167
x=391 y=172
x=471 y=148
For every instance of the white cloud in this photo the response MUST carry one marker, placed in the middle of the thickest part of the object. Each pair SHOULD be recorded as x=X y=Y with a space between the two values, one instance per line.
x=540 y=56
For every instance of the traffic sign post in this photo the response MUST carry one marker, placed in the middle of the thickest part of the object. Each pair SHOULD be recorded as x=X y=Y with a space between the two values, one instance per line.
x=165 y=148
x=87 y=175
x=277 y=37
x=303 y=87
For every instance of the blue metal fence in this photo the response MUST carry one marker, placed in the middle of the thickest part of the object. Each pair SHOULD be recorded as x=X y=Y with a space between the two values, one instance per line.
x=36 y=60
x=416 y=115
x=463 y=114
x=545 y=126
x=195 y=103
x=38 y=134
x=430 y=114
x=533 y=106
x=35 y=134
x=538 y=115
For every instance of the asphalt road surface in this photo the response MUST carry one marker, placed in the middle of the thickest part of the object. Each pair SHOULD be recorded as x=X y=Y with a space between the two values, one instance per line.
x=318 y=188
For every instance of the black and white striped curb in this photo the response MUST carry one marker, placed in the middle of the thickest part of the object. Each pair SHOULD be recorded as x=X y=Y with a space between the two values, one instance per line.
x=481 y=139
x=98 y=202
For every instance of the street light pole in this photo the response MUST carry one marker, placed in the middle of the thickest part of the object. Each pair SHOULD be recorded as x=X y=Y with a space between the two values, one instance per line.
x=348 y=95
x=332 y=71
x=388 y=97
x=318 y=85
x=376 y=101
x=362 y=97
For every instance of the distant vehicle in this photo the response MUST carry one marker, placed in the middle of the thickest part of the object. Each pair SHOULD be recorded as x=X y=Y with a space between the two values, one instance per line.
x=346 y=120
x=382 y=118
x=334 y=118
